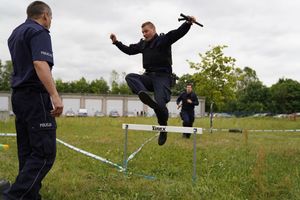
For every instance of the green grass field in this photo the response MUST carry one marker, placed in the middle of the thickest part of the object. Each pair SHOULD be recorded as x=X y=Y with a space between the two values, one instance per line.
x=229 y=165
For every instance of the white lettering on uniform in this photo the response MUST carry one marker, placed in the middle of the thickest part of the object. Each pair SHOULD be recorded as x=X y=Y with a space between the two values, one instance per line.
x=45 y=125
x=46 y=53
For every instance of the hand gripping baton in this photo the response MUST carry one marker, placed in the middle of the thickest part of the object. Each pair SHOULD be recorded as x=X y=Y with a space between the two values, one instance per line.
x=187 y=18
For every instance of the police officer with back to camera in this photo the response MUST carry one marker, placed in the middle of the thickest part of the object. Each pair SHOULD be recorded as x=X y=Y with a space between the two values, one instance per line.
x=188 y=101
x=35 y=101
x=157 y=62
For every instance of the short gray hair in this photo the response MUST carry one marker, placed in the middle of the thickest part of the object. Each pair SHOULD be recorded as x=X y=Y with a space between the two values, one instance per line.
x=36 y=9
x=148 y=24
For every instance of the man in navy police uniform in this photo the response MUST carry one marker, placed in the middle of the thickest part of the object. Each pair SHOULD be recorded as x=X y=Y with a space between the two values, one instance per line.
x=188 y=101
x=35 y=101
x=157 y=62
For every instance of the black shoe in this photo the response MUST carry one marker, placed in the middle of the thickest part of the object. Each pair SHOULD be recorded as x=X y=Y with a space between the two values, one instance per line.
x=4 y=185
x=162 y=138
x=146 y=99
x=186 y=135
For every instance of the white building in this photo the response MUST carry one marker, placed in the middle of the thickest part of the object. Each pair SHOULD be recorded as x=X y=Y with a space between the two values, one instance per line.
x=107 y=103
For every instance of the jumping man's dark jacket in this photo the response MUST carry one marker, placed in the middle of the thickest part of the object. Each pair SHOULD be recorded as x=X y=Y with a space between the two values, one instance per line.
x=157 y=54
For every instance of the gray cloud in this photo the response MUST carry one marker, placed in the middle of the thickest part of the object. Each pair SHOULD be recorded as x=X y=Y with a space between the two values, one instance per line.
x=260 y=34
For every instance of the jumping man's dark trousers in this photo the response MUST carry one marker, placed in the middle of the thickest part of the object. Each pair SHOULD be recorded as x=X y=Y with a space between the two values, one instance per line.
x=159 y=84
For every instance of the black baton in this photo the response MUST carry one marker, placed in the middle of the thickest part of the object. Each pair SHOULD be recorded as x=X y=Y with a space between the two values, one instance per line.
x=187 y=18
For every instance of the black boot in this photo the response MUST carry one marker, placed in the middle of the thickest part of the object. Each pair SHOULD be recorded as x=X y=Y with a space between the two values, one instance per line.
x=162 y=138
x=186 y=135
x=146 y=99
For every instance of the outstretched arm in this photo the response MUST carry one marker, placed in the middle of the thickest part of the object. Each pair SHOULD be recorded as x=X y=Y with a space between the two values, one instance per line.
x=174 y=35
x=130 y=50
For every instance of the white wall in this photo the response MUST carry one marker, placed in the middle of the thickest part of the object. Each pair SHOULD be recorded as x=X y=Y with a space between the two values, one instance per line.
x=197 y=110
x=172 y=107
x=93 y=105
x=115 y=105
x=135 y=106
x=4 y=103
x=69 y=104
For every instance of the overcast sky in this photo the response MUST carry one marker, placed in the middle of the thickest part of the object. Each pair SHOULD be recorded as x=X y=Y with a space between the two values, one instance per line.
x=261 y=34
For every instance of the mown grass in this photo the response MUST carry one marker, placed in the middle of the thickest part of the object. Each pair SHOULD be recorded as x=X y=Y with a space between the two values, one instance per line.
x=229 y=165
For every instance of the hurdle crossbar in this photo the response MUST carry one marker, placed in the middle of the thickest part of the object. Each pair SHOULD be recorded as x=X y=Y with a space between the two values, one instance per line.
x=171 y=129
x=174 y=129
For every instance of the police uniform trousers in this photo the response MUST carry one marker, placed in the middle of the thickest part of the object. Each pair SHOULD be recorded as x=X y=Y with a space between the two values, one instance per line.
x=159 y=84
x=188 y=118
x=36 y=142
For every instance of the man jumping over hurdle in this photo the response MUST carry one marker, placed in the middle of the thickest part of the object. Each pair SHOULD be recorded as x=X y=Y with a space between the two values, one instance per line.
x=157 y=62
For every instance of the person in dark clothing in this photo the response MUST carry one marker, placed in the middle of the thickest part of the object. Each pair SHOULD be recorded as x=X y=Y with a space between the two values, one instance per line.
x=35 y=101
x=157 y=62
x=188 y=101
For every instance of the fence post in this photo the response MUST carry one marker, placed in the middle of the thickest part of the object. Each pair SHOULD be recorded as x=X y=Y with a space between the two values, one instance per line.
x=194 y=155
x=125 y=148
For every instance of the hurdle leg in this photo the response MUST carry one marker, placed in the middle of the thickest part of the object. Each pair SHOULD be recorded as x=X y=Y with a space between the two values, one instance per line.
x=125 y=149
x=194 y=156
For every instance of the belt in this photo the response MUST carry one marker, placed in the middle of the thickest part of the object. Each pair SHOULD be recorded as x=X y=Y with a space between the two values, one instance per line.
x=157 y=73
x=30 y=89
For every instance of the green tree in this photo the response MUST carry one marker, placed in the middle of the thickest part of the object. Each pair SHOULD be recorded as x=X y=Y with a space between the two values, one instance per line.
x=215 y=77
x=61 y=86
x=181 y=84
x=99 y=86
x=245 y=77
x=124 y=89
x=5 y=75
x=119 y=86
x=114 y=77
x=285 y=96
x=251 y=95
x=115 y=88
x=254 y=98
x=82 y=86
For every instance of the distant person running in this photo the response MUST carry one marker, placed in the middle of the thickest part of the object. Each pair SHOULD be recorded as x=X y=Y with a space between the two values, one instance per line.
x=188 y=101
x=157 y=62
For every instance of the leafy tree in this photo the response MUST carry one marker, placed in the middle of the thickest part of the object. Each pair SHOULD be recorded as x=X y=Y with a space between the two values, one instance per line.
x=61 y=86
x=251 y=95
x=285 y=96
x=5 y=75
x=115 y=88
x=181 y=84
x=82 y=86
x=114 y=77
x=254 y=98
x=215 y=77
x=99 y=86
x=124 y=89
x=245 y=77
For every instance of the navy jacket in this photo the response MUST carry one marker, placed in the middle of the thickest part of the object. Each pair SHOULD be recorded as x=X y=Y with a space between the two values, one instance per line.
x=29 y=42
x=183 y=97
x=157 y=54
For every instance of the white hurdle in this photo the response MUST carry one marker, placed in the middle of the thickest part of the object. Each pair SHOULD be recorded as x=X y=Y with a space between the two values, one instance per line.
x=169 y=129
